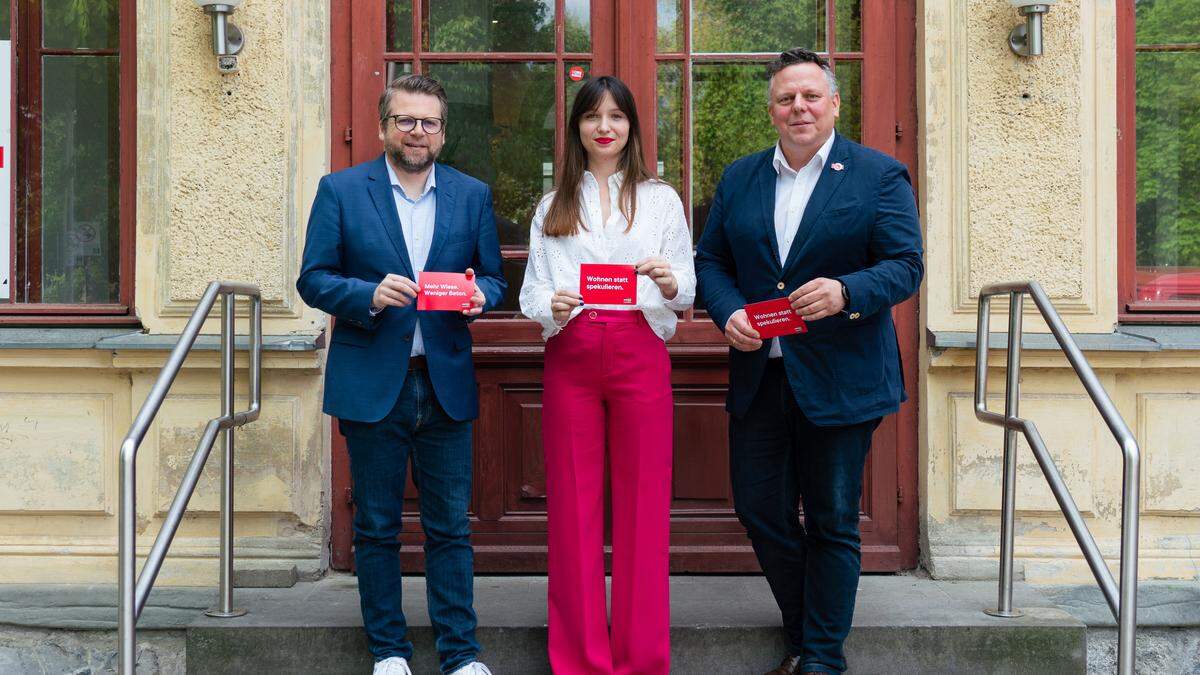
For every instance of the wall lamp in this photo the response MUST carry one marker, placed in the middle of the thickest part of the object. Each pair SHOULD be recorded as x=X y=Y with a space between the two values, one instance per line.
x=227 y=38
x=1026 y=38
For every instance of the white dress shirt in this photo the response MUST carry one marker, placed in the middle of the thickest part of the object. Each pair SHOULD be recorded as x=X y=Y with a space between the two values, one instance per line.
x=659 y=229
x=417 y=219
x=792 y=190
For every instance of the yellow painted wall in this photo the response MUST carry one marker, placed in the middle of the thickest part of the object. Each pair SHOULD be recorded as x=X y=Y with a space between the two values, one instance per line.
x=1018 y=181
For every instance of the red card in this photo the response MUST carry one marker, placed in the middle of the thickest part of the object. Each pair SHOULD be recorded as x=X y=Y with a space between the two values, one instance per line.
x=445 y=291
x=608 y=284
x=774 y=318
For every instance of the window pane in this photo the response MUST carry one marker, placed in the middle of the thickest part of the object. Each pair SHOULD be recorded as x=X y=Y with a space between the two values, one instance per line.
x=579 y=26
x=848 y=20
x=501 y=131
x=670 y=124
x=764 y=26
x=849 y=77
x=71 y=24
x=1167 y=21
x=5 y=20
x=670 y=33
x=80 y=179
x=514 y=274
x=729 y=120
x=1168 y=177
x=398 y=69
x=491 y=25
x=399 y=25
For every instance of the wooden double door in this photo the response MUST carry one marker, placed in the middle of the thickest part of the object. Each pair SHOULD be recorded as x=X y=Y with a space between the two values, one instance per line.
x=511 y=68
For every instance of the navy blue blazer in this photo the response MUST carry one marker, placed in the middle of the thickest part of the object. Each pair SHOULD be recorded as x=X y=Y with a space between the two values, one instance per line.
x=354 y=240
x=861 y=227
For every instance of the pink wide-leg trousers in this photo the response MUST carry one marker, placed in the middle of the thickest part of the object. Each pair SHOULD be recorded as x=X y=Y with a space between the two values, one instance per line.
x=608 y=401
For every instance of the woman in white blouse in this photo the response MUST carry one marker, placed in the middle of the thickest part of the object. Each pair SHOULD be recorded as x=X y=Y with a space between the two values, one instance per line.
x=607 y=397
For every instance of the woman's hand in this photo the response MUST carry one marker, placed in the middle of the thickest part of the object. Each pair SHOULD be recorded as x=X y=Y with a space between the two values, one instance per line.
x=660 y=273
x=561 y=304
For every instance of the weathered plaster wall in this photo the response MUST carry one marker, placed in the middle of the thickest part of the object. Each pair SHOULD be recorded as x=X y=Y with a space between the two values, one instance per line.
x=228 y=164
x=1159 y=397
x=1018 y=181
x=1018 y=162
x=62 y=419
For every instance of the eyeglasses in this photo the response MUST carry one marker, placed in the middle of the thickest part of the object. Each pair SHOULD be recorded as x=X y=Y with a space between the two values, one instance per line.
x=405 y=123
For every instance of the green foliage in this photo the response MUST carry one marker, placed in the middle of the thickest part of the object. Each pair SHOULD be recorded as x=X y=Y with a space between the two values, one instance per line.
x=761 y=26
x=80 y=179
x=70 y=24
x=491 y=25
x=1168 y=135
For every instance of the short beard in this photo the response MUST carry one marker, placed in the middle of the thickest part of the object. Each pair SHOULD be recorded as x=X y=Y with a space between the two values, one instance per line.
x=400 y=161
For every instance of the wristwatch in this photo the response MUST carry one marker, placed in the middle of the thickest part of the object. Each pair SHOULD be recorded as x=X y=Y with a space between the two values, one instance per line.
x=845 y=293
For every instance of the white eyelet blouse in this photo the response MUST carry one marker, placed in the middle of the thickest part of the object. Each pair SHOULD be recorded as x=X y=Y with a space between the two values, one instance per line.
x=659 y=229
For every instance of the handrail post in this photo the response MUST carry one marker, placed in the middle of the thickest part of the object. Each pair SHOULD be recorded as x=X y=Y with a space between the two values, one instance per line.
x=1127 y=620
x=1008 y=509
x=127 y=565
x=225 y=608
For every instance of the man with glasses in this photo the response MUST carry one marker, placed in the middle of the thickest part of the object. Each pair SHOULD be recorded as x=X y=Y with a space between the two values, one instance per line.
x=832 y=226
x=401 y=382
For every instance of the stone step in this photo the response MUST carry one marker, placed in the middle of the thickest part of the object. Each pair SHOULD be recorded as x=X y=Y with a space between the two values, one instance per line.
x=719 y=625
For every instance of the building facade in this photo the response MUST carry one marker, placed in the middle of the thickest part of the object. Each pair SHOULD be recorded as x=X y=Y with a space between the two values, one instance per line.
x=140 y=174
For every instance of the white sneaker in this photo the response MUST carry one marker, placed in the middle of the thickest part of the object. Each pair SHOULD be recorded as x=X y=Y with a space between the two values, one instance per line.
x=393 y=665
x=473 y=668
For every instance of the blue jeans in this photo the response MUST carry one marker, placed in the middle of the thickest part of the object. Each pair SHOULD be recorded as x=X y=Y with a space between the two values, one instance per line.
x=778 y=461
x=440 y=449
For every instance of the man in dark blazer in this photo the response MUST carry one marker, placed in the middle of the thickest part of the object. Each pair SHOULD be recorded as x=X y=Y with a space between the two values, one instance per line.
x=832 y=226
x=401 y=382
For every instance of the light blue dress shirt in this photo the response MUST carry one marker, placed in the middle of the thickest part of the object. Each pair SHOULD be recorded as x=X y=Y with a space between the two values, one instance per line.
x=417 y=219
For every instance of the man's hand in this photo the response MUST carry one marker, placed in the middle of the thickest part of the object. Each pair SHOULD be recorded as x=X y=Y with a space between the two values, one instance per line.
x=477 y=298
x=394 y=291
x=740 y=334
x=561 y=304
x=818 y=299
x=659 y=271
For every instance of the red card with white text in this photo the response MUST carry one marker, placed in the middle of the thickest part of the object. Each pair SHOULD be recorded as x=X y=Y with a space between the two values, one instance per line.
x=444 y=291
x=608 y=284
x=775 y=318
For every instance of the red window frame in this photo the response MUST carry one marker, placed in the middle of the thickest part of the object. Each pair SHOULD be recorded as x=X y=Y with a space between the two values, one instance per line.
x=26 y=189
x=1130 y=309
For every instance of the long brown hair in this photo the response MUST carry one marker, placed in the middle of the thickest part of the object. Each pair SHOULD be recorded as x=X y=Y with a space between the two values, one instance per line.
x=564 y=218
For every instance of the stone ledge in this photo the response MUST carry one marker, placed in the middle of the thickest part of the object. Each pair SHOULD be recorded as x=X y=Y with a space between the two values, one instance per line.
x=122 y=339
x=1127 y=338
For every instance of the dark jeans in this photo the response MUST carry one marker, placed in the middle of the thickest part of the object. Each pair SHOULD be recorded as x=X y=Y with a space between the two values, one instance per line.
x=778 y=461
x=440 y=449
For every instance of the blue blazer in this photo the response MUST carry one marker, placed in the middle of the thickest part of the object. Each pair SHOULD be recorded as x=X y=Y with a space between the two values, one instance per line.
x=861 y=227
x=354 y=239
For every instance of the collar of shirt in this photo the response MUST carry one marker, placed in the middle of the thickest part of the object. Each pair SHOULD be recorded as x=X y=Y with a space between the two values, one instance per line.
x=780 y=162
x=430 y=182
x=614 y=181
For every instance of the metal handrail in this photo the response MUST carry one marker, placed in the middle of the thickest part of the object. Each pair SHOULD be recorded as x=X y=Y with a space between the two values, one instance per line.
x=1122 y=601
x=134 y=590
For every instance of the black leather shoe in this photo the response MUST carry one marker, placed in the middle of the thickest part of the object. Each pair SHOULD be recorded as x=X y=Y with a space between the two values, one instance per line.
x=790 y=666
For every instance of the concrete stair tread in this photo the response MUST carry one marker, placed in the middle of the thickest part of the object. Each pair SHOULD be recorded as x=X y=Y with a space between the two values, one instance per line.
x=902 y=624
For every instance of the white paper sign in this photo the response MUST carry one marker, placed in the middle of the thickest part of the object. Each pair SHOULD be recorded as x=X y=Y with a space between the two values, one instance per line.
x=6 y=161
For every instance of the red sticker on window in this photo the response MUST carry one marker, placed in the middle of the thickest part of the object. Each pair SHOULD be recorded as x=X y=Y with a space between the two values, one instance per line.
x=575 y=73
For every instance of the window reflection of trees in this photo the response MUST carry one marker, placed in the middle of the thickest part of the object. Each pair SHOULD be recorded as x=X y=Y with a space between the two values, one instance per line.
x=1168 y=133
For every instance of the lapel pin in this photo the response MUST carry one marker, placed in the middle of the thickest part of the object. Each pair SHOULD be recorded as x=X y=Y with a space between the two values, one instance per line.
x=837 y=166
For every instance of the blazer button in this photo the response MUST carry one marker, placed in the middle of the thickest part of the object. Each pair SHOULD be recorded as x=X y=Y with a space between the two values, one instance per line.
x=780 y=286
x=854 y=316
